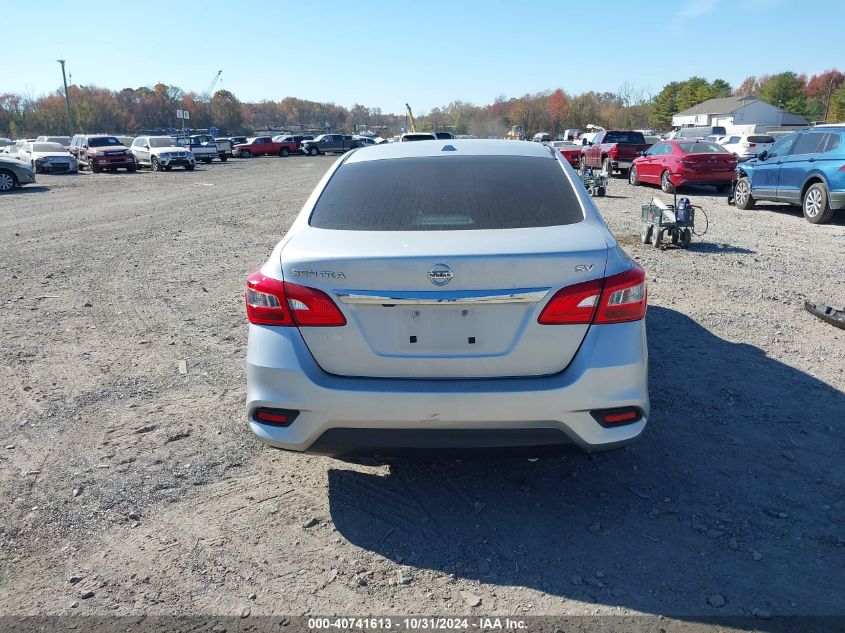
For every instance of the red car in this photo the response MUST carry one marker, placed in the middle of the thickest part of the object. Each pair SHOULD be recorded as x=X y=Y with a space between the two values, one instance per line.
x=570 y=151
x=673 y=164
x=264 y=146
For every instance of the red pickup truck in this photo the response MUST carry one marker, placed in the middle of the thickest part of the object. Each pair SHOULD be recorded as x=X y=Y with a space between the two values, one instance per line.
x=264 y=146
x=613 y=149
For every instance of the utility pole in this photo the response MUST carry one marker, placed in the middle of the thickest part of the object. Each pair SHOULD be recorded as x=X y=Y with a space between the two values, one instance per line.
x=67 y=100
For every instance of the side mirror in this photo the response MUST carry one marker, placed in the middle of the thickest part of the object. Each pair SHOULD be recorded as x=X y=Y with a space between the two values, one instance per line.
x=763 y=155
x=641 y=153
x=146 y=147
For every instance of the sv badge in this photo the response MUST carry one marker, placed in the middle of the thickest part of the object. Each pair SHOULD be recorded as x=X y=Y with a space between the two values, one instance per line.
x=583 y=268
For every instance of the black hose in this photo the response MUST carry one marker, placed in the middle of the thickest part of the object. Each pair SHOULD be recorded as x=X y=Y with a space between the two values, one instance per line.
x=706 y=226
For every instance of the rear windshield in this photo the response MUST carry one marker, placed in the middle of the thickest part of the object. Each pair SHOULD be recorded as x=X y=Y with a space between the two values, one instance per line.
x=761 y=139
x=702 y=148
x=624 y=137
x=102 y=141
x=455 y=193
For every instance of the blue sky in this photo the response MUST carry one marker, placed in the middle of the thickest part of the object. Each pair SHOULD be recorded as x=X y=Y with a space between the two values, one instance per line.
x=382 y=54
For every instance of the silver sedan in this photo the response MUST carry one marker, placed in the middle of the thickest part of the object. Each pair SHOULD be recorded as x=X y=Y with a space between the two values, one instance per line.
x=450 y=294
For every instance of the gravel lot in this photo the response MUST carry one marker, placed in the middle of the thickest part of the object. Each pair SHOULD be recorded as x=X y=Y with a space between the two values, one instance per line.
x=131 y=484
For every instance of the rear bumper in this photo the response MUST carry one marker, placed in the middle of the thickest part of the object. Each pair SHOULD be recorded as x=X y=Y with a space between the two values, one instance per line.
x=623 y=163
x=720 y=178
x=837 y=199
x=25 y=177
x=342 y=415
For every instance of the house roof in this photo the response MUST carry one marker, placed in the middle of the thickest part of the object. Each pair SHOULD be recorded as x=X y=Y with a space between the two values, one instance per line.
x=724 y=105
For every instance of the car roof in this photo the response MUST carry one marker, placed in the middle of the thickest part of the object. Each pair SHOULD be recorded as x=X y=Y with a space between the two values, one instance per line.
x=462 y=147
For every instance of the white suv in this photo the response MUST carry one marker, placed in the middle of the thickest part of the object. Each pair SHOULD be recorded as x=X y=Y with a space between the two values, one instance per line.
x=161 y=152
x=747 y=146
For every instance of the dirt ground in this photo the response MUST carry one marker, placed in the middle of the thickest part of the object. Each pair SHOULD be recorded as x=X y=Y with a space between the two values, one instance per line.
x=131 y=485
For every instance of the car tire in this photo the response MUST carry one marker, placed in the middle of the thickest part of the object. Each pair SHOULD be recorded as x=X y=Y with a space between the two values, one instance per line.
x=816 y=204
x=632 y=177
x=154 y=164
x=285 y=152
x=313 y=151
x=189 y=167
x=645 y=233
x=245 y=153
x=600 y=192
x=132 y=169
x=666 y=185
x=686 y=238
x=223 y=158
x=94 y=169
x=207 y=161
x=8 y=181
x=742 y=194
x=723 y=188
x=607 y=167
x=656 y=237
x=168 y=167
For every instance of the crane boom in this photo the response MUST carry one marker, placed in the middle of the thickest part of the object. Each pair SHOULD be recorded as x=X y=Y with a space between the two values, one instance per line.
x=207 y=93
x=411 y=122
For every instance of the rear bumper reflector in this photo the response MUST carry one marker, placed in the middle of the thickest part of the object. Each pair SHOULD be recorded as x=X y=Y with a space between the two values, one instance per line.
x=274 y=417
x=617 y=417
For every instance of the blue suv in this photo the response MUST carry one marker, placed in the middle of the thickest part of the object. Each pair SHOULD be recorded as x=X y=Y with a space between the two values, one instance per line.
x=806 y=168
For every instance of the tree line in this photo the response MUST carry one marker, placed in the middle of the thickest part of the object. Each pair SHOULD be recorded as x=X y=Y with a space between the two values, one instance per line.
x=131 y=110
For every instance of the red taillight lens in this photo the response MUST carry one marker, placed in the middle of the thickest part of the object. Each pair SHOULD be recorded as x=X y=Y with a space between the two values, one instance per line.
x=265 y=301
x=273 y=302
x=312 y=307
x=614 y=151
x=616 y=299
x=624 y=297
x=752 y=145
x=573 y=304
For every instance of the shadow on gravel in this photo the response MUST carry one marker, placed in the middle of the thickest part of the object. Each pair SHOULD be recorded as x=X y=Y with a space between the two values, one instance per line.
x=719 y=249
x=838 y=218
x=735 y=490
x=25 y=190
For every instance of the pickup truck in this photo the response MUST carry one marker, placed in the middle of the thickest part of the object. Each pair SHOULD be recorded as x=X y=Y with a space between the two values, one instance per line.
x=613 y=149
x=327 y=143
x=203 y=147
x=264 y=146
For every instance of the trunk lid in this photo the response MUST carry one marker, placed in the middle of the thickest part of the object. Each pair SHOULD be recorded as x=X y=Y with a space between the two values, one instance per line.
x=444 y=304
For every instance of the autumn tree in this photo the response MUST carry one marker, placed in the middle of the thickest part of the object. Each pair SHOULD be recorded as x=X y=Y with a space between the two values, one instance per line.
x=226 y=112
x=558 y=109
x=786 y=90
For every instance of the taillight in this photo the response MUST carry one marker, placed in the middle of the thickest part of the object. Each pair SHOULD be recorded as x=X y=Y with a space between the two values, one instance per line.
x=573 y=304
x=312 y=307
x=273 y=302
x=624 y=297
x=752 y=145
x=266 y=303
x=614 y=151
x=615 y=299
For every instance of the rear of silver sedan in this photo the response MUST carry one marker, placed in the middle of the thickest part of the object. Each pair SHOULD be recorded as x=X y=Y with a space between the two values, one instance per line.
x=447 y=295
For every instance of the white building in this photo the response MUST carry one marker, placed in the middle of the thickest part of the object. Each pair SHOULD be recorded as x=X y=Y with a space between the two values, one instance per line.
x=749 y=113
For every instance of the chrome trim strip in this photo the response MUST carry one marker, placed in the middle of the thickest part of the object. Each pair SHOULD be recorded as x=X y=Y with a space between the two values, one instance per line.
x=364 y=297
